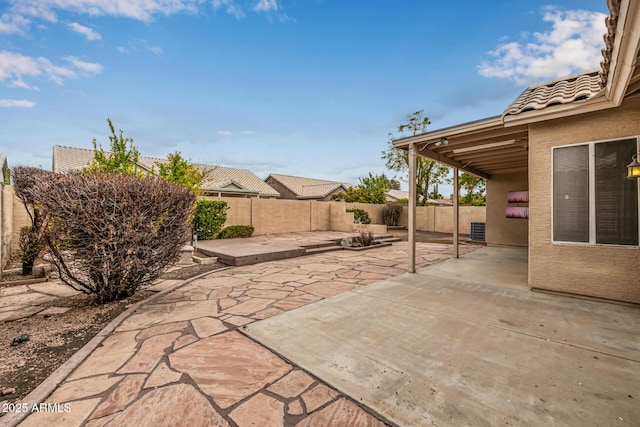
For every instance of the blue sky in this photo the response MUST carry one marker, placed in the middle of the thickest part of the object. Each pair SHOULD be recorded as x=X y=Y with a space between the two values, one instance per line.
x=299 y=87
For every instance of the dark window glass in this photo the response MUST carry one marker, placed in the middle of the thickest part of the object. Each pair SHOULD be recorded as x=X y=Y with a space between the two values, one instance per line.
x=616 y=197
x=571 y=194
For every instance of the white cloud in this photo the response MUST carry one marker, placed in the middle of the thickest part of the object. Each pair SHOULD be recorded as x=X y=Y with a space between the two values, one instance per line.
x=230 y=6
x=142 y=10
x=266 y=6
x=89 y=33
x=12 y=23
x=89 y=67
x=20 y=103
x=224 y=132
x=573 y=44
x=15 y=66
x=247 y=132
x=137 y=45
x=19 y=83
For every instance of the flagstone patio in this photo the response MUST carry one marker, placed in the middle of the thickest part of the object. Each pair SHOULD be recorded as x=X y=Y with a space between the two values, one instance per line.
x=181 y=358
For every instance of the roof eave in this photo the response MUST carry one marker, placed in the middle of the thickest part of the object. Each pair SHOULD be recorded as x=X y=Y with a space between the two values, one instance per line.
x=597 y=103
x=625 y=51
x=470 y=127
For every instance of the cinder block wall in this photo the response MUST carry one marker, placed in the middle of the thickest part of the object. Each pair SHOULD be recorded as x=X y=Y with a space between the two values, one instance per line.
x=272 y=216
x=20 y=219
x=6 y=223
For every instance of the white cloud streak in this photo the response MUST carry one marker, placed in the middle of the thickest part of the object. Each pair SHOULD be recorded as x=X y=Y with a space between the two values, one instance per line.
x=266 y=6
x=87 y=32
x=573 y=44
x=89 y=67
x=15 y=66
x=224 y=132
x=20 y=103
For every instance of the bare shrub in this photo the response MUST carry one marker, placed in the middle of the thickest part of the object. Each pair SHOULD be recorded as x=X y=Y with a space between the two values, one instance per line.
x=391 y=214
x=109 y=234
x=364 y=239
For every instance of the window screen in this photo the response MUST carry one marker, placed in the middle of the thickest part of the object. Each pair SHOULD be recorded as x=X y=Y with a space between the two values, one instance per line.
x=571 y=194
x=616 y=198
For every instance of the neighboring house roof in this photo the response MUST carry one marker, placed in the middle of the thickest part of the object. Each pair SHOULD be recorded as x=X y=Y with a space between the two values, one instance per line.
x=498 y=145
x=219 y=178
x=393 y=195
x=308 y=188
x=397 y=194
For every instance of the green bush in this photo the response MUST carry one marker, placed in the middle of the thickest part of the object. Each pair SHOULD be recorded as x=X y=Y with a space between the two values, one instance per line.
x=360 y=216
x=236 y=231
x=402 y=201
x=209 y=217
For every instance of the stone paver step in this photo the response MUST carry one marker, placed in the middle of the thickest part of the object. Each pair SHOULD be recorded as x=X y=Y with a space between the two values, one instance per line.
x=328 y=243
x=323 y=249
x=388 y=239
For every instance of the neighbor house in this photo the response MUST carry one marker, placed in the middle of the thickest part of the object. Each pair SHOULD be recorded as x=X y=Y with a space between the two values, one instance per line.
x=395 y=195
x=567 y=143
x=220 y=181
x=296 y=187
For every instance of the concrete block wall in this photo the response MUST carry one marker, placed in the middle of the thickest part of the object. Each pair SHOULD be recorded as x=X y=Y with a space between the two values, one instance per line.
x=6 y=223
x=272 y=216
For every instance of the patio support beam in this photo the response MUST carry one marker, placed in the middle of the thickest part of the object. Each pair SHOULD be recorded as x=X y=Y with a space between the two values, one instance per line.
x=412 y=208
x=456 y=213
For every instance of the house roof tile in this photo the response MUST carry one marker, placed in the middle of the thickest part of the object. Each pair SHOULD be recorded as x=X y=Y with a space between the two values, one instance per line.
x=567 y=90
x=308 y=188
x=66 y=159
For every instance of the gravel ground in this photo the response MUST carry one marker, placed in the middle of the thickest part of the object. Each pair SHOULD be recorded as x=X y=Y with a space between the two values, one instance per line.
x=53 y=340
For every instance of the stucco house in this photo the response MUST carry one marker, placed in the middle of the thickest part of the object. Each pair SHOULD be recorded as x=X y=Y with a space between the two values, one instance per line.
x=300 y=188
x=220 y=181
x=567 y=142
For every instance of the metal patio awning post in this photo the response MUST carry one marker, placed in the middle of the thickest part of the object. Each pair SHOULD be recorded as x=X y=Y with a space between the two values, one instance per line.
x=412 y=208
x=456 y=213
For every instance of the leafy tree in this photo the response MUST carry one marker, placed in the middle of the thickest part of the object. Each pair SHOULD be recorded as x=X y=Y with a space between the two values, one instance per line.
x=474 y=190
x=209 y=218
x=371 y=189
x=180 y=171
x=428 y=172
x=123 y=157
x=435 y=194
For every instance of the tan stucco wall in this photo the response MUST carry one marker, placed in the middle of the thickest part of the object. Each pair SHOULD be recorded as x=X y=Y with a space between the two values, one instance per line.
x=500 y=229
x=600 y=271
x=272 y=216
x=6 y=223
x=19 y=220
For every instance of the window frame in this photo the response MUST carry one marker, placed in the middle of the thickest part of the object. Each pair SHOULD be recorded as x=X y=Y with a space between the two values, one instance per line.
x=592 y=196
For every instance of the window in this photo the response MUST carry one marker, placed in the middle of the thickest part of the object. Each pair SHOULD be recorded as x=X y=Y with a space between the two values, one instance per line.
x=593 y=202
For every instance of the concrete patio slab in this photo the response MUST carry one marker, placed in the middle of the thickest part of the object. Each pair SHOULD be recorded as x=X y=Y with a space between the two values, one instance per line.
x=464 y=342
x=238 y=252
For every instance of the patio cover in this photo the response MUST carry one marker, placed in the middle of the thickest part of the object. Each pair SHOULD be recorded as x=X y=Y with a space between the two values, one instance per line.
x=499 y=144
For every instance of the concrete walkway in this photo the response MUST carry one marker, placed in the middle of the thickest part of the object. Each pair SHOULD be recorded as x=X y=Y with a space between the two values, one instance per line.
x=464 y=342
x=181 y=359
